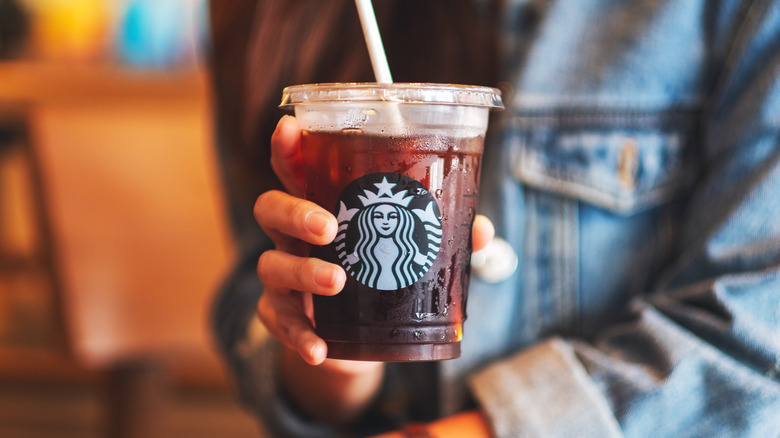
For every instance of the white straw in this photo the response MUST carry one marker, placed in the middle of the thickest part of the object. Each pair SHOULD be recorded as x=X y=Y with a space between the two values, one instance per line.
x=374 y=41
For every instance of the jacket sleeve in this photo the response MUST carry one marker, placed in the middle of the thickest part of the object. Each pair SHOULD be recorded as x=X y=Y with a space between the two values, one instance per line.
x=700 y=355
x=251 y=356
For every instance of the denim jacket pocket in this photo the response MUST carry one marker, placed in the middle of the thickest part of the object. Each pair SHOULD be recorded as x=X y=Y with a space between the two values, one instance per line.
x=624 y=162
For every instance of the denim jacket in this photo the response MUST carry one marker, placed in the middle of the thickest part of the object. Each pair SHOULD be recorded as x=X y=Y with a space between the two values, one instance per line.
x=633 y=175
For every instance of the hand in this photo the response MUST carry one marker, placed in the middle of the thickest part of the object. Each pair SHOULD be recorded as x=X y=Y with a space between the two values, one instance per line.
x=288 y=278
x=327 y=389
x=334 y=391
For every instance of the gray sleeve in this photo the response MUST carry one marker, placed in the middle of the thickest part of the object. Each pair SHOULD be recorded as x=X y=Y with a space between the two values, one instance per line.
x=254 y=365
x=543 y=392
x=251 y=357
x=700 y=361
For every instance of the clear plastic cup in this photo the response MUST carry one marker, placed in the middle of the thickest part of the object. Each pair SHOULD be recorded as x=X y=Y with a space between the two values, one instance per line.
x=398 y=165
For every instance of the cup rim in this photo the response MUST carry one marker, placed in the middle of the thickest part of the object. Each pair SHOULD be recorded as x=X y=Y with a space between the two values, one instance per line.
x=400 y=92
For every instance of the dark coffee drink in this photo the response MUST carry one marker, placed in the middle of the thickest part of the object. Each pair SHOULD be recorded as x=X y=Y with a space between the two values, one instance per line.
x=405 y=207
x=398 y=165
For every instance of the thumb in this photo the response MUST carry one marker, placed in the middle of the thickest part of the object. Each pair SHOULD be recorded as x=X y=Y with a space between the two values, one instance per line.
x=286 y=155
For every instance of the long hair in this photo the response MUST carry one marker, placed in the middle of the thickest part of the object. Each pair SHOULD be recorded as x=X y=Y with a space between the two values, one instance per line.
x=371 y=264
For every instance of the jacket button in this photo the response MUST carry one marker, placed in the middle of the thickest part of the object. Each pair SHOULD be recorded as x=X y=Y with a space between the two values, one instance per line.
x=494 y=263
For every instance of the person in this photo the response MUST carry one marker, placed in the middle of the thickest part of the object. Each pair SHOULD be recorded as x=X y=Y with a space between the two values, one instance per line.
x=632 y=176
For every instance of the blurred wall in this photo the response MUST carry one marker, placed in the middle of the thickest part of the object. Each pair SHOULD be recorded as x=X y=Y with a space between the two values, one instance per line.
x=113 y=237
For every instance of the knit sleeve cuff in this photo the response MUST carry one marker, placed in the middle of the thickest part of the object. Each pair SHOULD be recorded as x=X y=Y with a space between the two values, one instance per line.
x=543 y=392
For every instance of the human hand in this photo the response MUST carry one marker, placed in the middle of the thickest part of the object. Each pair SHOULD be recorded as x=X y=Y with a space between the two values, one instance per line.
x=288 y=277
x=331 y=390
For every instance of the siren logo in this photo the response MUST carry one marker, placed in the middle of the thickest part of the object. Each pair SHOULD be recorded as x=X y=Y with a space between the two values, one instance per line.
x=389 y=230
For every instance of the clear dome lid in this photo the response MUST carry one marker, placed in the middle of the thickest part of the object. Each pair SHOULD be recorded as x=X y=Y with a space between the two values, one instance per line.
x=411 y=93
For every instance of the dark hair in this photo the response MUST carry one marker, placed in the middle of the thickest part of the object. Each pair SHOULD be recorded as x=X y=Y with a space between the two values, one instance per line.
x=259 y=47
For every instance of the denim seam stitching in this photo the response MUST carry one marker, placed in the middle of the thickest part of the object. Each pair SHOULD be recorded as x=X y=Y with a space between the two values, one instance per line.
x=558 y=264
x=566 y=292
x=532 y=238
x=580 y=177
x=552 y=177
x=572 y=237
x=733 y=55
x=670 y=119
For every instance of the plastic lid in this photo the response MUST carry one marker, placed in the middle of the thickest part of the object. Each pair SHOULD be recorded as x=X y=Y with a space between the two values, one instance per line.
x=414 y=93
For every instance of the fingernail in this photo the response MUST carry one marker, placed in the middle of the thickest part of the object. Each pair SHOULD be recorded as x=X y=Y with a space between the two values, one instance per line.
x=317 y=223
x=314 y=353
x=318 y=352
x=325 y=276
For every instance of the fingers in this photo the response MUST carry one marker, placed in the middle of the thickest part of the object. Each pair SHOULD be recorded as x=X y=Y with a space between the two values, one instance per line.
x=482 y=232
x=280 y=214
x=278 y=269
x=286 y=154
x=282 y=315
x=285 y=306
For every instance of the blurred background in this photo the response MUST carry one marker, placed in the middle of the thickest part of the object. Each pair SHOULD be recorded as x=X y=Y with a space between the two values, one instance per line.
x=113 y=232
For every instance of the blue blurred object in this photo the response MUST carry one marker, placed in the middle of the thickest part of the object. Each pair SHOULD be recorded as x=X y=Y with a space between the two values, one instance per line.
x=160 y=33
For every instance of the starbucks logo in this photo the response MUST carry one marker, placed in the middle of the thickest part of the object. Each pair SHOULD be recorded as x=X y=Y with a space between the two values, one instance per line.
x=389 y=230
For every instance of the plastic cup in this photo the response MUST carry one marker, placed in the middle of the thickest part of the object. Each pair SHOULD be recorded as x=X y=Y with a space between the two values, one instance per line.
x=398 y=165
